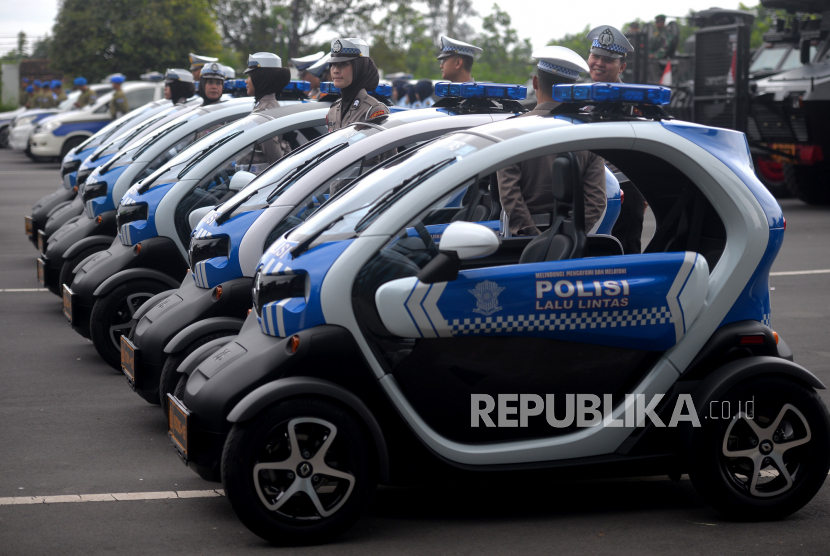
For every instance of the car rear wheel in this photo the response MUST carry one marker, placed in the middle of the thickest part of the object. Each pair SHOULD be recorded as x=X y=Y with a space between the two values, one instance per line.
x=771 y=174
x=70 y=144
x=769 y=457
x=301 y=472
x=170 y=377
x=113 y=315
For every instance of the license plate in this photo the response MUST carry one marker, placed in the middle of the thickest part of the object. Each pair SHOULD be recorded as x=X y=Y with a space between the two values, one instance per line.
x=67 y=302
x=41 y=241
x=29 y=226
x=41 y=272
x=128 y=360
x=177 y=416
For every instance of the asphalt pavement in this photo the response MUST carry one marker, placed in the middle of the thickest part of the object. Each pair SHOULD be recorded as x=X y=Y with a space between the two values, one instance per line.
x=70 y=426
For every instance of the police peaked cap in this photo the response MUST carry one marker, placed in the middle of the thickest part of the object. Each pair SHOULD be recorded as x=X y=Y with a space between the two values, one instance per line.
x=453 y=47
x=213 y=70
x=79 y=81
x=319 y=67
x=561 y=61
x=343 y=50
x=177 y=74
x=230 y=73
x=609 y=41
x=307 y=61
x=197 y=61
x=263 y=60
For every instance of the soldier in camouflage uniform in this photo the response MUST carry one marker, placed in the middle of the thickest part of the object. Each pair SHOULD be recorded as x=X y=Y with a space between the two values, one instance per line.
x=57 y=88
x=87 y=97
x=47 y=98
x=660 y=41
x=118 y=104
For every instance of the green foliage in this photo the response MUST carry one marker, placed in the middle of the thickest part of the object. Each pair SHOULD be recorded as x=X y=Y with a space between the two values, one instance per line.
x=402 y=43
x=506 y=57
x=576 y=42
x=97 y=37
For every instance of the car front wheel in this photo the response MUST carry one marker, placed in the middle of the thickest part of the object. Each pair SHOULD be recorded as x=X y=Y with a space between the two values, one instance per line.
x=769 y=456
x=301 y=472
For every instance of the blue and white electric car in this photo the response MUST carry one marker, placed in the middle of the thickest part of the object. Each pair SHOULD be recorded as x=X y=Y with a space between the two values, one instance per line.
x=226 y=245
x=149 y=255
x=94 y=230
x=381 y=356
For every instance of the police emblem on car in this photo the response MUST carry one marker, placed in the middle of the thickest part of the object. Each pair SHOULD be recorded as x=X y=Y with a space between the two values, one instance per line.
x=487 y=296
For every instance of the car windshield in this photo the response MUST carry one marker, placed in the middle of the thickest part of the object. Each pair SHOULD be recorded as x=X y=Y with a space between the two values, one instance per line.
x=793 y=59
x=195 y=153
x=126 y=137
x=70 y=100
x=768 y=59
x=276 y=180
x=347 y=215
x=151 y=139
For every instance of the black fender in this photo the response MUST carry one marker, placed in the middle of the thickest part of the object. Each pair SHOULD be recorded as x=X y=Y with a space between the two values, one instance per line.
x=134 y=274
x=201 y=328
x=199 y=354
x=92 y=241
x=56 y=208
x=147 y=305
x=268 y=394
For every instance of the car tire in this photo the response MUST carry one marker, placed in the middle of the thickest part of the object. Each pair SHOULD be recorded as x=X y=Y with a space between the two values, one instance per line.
x=70 y=144
x=112 y=317
x=170 y=377
x=771 y=174
x=4 y=138
x=67 y=268
x=265 y=439
x=730 y=469
x=810 y=184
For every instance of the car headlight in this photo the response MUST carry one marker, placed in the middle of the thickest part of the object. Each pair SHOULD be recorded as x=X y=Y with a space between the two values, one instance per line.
x=93 y=190
x=25 y=121
x=203 y=249
x=83 y=174
x=268 y=289
x=70 y=166
x=49 y=127
x=130 y=213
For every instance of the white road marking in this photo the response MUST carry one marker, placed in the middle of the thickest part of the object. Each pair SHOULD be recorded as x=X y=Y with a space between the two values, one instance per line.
x=111 y=497
x=800 y=272
x=22 y=290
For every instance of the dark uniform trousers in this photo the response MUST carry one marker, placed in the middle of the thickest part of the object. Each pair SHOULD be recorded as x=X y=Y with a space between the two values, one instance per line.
x=526 y=191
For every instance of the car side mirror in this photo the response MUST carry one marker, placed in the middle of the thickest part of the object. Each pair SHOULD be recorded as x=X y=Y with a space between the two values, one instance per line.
x=195 y=216
x=804 y=47
x=240 y=180
x=460 y=241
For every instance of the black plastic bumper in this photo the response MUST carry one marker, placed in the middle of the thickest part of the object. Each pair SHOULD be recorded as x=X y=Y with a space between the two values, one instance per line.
x=44 y=206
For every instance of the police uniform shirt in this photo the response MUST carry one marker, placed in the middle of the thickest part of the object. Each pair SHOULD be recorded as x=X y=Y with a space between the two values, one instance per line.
x=61 y=96
x=24 y=98
x=525 y=188
x=118 y=104
x=274 y=148
x=363 y=108
x=87 y=97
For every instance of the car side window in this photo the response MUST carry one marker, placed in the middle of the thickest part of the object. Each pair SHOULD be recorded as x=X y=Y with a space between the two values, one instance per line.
x=166 y=156
x=140 y=97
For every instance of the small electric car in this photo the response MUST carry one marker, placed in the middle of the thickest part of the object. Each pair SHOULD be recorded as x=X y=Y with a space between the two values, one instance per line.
x=213 y=299
x=149 y=255
x=382 y=356
x=72 y=161
x=93 y=231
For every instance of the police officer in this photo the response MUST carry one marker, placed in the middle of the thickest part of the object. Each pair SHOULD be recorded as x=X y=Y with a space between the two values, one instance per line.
x=34 y=96
x=212 y=83
x=302 y=65
x=609 y=49
x=178 y=85
x=24 y=91
x=316 y=74
x=197 y=62
x=354 y=73
x=57 y=88
x=118 y=103
x=525 y=188
x=266 y=78
x=47 y=98
x=88 y=96
x=456 y=60
x=24 y=97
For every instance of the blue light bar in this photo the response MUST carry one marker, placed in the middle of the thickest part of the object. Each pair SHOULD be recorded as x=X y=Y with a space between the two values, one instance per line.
x=612 y=92
x=235 y=84
x=480 y=90
x=382 y=90
x=304 y=86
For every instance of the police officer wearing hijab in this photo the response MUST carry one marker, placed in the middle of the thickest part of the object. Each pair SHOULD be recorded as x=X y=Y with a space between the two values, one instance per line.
x=525 y=188
x=212 y=83
x=302 y=65
x=178 y=85
x=456 y=60
x=266 y=78
x=316 y=74
x=354 y=73
x=197 y=62
x=609 y=50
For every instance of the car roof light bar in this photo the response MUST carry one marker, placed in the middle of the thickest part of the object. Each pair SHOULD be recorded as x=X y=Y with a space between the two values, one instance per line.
x=612 y=93
x=493 y=91
x=382 y=90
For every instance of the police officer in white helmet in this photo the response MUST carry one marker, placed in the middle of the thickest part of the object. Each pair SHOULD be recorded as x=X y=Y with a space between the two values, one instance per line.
x=266 y=78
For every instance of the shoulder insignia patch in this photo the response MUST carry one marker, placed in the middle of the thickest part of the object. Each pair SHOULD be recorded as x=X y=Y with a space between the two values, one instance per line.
x=356 y=103
x=377 y=113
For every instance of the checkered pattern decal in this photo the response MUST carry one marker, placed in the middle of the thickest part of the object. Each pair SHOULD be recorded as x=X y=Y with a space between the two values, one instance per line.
x=766 y=319
x=459 y=49
x=612 y=47
x=565 y=321
x=558 y=70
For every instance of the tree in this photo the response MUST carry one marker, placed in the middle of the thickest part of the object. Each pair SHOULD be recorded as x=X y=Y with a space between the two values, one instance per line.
x=576 y=42
x=506 y=58
x=451 y=18
x=402 y=43
x=41 y=48
x=97 y=37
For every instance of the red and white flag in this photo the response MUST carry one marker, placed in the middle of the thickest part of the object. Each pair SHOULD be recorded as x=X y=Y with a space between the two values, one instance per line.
x=666 y=79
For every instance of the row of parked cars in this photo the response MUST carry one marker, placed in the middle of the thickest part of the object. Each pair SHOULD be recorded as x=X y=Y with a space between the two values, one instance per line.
x=353 y=314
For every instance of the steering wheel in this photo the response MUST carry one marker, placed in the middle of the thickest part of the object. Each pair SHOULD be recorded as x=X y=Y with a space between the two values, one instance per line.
x=425 y=236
